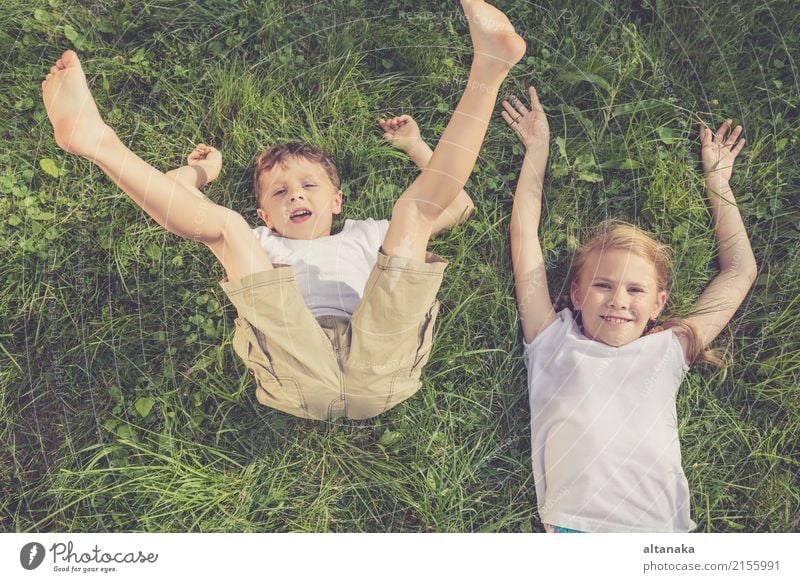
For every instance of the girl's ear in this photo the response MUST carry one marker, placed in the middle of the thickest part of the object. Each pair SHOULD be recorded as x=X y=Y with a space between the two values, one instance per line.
x=661 y=301
x=337 y=202
x=574 y=294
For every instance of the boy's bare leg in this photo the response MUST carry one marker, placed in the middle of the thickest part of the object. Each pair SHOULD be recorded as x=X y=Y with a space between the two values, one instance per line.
x=497 y=48
x=79 y=129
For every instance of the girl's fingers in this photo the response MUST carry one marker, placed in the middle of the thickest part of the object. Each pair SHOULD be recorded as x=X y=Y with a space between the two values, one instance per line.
x=723 y=129
x=509 y=120
x=735 y=151
x=703 y=134
x=519 y=105
x=511 y=110
x=535 y=99
x=733 y=136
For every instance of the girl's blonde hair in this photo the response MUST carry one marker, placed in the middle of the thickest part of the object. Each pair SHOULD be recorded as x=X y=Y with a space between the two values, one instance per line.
x=618 y=234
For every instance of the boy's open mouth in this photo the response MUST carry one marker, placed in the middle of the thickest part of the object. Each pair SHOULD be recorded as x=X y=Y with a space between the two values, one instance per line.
x=299 y=215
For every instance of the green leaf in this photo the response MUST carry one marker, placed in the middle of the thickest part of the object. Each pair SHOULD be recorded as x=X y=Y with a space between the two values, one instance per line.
x=574 y=77
x=52 y=168
x=585 y=161
x=111 y=425
x=13 y=220
x=562 y=146
x=621 y=164
x=143 y=405
x=637 y=106
x=70 y=32
x=37 y=214
x=125 y=431
x=667 y=135
x=589 y=177
x=558 y=171
x=153 y=251
x=430 y=479
x=390 y=437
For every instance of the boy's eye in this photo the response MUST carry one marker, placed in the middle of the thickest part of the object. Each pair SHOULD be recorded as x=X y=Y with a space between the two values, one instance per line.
x=636 y=290
x=280 y=191
x=603 y=285
x=309 y=185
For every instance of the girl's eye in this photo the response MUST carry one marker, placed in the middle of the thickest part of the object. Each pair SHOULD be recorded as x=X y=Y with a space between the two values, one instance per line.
x=309 y=185
x=603 y=285
x=281 y=191
x=636 y=290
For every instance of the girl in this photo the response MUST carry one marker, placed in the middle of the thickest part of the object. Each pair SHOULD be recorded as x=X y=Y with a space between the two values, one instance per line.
x=602 y=374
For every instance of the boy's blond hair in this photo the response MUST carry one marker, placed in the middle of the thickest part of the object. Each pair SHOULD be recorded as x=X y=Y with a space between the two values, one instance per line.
x=618 y=234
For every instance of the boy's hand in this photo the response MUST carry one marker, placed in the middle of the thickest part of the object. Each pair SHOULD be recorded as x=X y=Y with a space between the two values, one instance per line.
x=207 y=159
x=530 y=126
x=402 y=132
x=718 y=151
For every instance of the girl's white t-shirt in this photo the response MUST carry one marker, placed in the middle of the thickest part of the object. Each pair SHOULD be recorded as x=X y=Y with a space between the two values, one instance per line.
x=606 y=455
x=330 y=271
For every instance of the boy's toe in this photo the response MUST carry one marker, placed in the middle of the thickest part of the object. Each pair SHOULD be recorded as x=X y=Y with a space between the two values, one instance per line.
x=70 y=58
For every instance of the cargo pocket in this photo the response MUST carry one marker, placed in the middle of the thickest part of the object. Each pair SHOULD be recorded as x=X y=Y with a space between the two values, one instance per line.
x=425 y=339
x=281 y=392
x=406 y=381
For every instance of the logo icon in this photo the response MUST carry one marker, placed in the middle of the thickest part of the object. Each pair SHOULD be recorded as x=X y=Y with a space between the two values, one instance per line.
x=31 y=555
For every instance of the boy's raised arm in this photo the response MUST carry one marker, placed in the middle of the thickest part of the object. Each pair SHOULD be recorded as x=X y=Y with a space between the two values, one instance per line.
x=738 y=268
x=403 y=133
x=530 y=277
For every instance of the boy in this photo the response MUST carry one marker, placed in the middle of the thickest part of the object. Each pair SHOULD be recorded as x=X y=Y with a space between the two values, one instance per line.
x=355 y=363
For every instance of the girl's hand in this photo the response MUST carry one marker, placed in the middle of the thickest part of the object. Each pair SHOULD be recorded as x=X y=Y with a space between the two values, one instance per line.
x=718 y=151
x=402 y=132
x=530 y=126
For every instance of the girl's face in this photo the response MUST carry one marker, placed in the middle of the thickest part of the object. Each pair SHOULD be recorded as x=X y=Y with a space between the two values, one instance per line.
x=617 y=295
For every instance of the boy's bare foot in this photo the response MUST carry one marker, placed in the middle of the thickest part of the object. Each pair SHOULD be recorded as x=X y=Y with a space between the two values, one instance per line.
x=77 y=124
x=496 y=44
x=207 y=159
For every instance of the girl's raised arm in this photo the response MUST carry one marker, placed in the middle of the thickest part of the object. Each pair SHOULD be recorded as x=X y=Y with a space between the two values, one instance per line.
x=530 y=278
x=738 y=268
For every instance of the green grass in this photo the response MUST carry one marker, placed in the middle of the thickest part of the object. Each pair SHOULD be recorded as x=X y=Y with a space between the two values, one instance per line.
x=122 y=405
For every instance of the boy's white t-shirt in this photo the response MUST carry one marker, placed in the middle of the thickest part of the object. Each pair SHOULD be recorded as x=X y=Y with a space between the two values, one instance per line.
x=606 y=455
x=330 y=271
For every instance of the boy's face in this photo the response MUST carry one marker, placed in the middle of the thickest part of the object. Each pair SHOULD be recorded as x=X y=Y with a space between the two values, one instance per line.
x=298 y=199
x=617 y=295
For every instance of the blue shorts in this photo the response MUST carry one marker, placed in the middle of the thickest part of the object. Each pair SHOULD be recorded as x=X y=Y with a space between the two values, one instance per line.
x=558 y=529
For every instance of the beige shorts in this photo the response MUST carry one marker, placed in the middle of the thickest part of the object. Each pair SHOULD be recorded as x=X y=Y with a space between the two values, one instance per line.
x=334 y=366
